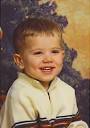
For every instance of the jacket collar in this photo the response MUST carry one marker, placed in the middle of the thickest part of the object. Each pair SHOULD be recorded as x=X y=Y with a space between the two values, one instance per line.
x=35 y=83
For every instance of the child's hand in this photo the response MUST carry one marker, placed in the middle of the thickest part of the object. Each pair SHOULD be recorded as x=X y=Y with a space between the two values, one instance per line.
x=78 y=124
x=79 y=127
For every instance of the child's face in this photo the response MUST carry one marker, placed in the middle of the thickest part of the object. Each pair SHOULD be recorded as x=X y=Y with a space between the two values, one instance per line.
x=42 y=58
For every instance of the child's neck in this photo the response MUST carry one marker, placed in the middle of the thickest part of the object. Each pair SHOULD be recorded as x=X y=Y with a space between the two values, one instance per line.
x=46 y=85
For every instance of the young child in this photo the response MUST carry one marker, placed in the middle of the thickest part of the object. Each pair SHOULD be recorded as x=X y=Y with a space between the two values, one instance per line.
x=38 y=98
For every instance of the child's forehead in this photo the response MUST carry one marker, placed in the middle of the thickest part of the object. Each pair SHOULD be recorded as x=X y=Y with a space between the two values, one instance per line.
x=43 y=35
x=43 y=41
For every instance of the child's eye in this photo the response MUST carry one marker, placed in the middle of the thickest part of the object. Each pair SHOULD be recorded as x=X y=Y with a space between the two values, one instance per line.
x=55 y=51
x=37 y=53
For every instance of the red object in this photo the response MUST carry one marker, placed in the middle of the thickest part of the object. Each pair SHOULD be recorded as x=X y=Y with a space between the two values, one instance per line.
x=2 y=99
x=1 y=33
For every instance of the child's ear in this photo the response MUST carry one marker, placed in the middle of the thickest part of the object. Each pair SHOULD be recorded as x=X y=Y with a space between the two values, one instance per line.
x=18 y=61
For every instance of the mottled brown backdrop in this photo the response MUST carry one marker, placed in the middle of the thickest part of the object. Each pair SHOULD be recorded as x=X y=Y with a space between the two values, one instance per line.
x=77 y=33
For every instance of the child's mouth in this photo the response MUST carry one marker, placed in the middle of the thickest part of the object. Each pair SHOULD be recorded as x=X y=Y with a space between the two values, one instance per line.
x=47 y=69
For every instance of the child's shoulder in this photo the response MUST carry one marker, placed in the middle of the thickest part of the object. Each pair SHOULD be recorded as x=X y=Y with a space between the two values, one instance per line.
x=64 y=86
x=19 y=87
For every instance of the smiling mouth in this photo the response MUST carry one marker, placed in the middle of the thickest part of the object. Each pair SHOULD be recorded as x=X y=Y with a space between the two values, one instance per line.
x=47 y=69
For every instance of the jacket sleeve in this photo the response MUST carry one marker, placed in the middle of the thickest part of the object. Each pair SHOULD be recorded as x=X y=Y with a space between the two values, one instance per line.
x=76 y=120
x=18 y=111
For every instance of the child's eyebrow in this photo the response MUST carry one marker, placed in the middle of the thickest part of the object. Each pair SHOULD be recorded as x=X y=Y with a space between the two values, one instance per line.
x=41 y=49
x=58 y=48
x=35 y=50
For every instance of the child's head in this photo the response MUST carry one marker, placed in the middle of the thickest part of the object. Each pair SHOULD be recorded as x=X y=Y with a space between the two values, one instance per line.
x=38 y=48
x=33 y=27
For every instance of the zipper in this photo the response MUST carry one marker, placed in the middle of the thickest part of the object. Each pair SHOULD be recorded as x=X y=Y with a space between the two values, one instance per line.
x=49 y=96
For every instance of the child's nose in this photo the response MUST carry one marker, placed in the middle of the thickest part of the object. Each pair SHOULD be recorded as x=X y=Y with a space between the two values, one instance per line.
x=47 y=58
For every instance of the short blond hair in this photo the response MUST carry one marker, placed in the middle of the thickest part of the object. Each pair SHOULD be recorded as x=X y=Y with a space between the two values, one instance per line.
x=34 y=27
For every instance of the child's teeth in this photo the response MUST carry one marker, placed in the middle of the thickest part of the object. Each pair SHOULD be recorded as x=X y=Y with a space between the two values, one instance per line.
x=46 y=68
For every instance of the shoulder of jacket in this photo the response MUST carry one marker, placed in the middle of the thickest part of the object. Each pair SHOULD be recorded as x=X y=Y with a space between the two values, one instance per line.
x=64 y=85
x=18 y=88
